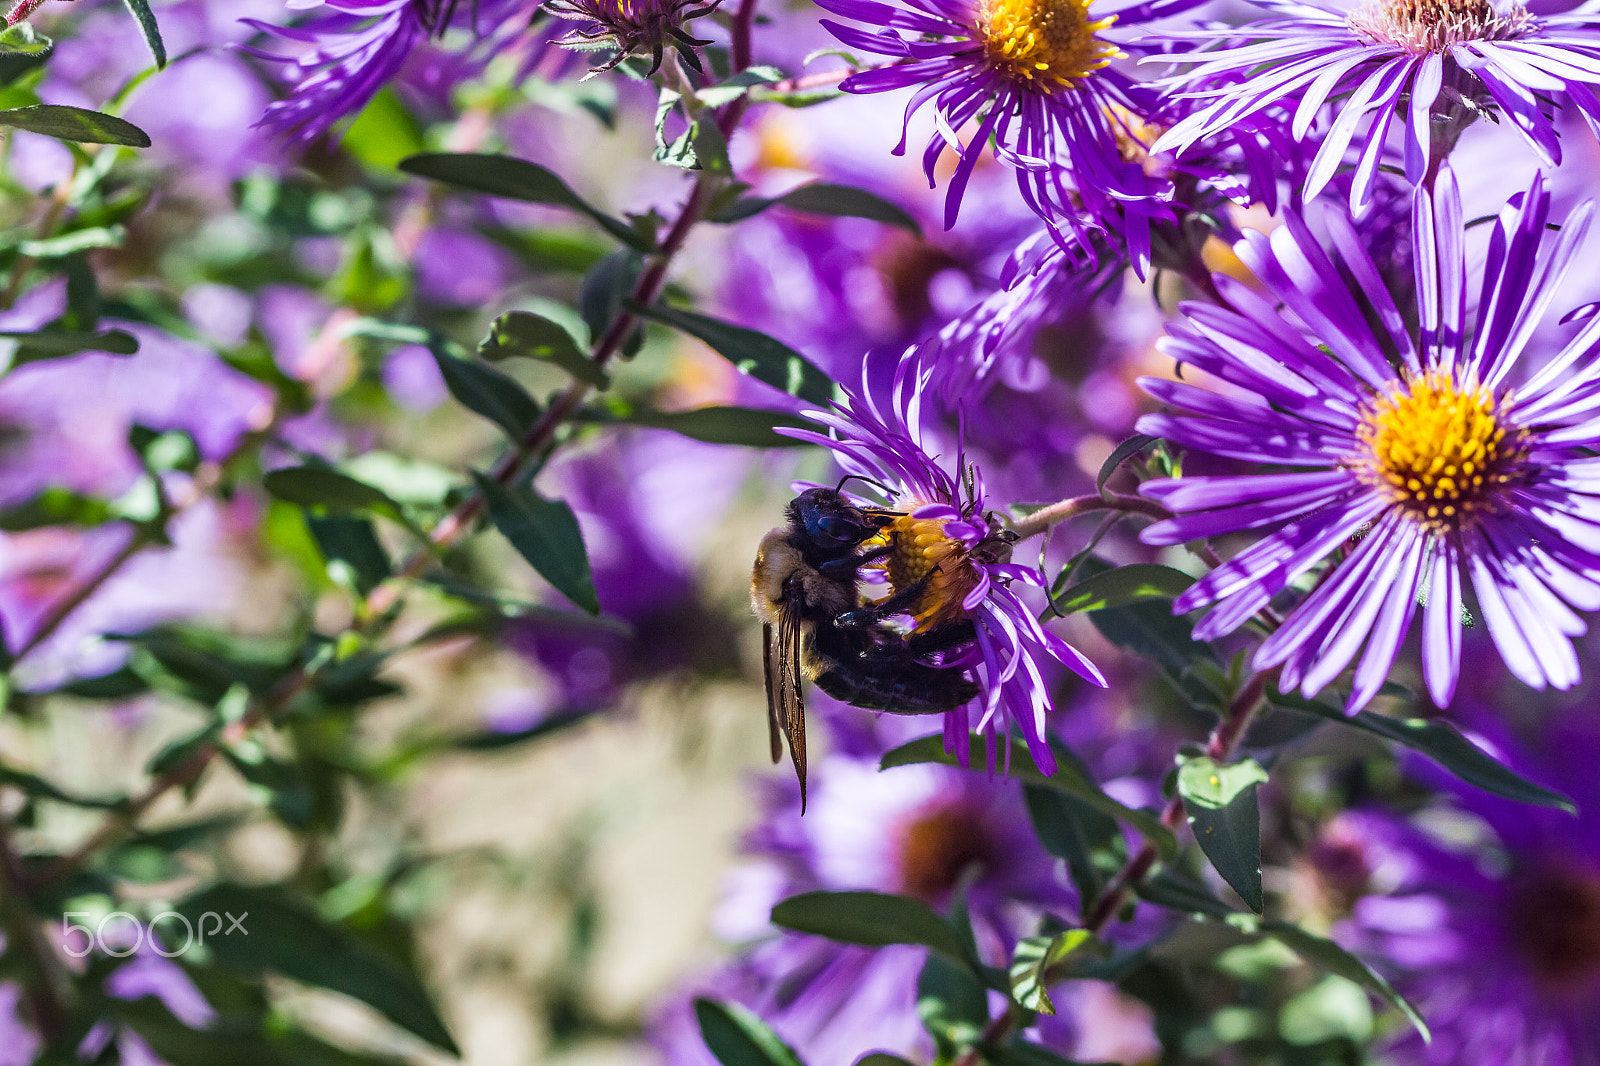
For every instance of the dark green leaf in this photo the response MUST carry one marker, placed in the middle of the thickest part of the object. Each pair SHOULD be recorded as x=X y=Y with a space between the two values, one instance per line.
x=1221 y=804
x=1323 y=952
x=489 y=741
x=1168 y=890
x=872 y=918
x=1067 y=778
x=710 y=147
x=54 y=507
x=1020 y=1052
x=44 y=344
x=514 y=179
x=351 y=541
x=486 y=391
x=1123 y=452
x=952 y=1003
x=147 y=26
x=604 y=293
x=738 y=1038
x=731 y=89
x=318 y=486
x=1151 y=629
x=22 y=50
x=1036 y=963
x=751 y=427
x=756 y=354
x=1122 y=586
x=75 y=124
x=546 y=533
x=881 y=1058
x=122 y=684
x=1440 y=742
x=282 y=936
x=847 y=201
x=521 y=333
x=38 y=788
x=1072 y=830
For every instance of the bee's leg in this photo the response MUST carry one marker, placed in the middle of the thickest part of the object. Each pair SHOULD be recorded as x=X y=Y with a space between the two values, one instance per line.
x=896 y=604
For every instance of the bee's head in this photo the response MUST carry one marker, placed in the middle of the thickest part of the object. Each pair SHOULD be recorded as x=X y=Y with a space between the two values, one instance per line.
x=830 y=521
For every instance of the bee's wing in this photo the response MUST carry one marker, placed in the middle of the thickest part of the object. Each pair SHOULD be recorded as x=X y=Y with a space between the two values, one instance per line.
x=791 y=702
x=769 y=653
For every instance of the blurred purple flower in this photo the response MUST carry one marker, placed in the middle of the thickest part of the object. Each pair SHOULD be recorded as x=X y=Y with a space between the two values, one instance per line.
x=354 y=51
x=1388 y=64
x=1421 y=449
x=1500 y=952
x=947 y=539
x=918 y=830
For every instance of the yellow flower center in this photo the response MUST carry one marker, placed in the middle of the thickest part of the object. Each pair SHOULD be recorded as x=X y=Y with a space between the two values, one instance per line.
x=922 y=551
x=1441 y=448
x=1423 y=26
x=1044 y=44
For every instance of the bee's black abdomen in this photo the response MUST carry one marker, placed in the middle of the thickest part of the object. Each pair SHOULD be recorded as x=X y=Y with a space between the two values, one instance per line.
x=910 y=689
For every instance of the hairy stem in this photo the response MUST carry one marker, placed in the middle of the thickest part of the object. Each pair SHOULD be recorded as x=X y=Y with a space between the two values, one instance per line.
x=1065 y=510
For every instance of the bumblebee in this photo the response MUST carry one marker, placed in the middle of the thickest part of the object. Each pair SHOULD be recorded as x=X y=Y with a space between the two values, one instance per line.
x=805 y=588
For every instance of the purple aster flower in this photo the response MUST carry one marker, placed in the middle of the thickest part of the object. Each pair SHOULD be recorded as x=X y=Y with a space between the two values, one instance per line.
x=1035 y=76
x=1498 y=946
x=1419 y=466
x=1419 y=69
x=919 y=830
x=947 y=540
x=355 y=50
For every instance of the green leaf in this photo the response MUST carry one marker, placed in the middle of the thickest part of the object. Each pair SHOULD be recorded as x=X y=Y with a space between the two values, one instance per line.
x=514 y=179
x=1122 y=586
x=152 y=33
x=1067 y=778
x=318 y=486
x=546 y=533
x=1323 y=952
x=872 y=918
x=1020 y=1052
x=848 y=201
x=605 y=292
x=1220 y=801
x=531 y=336
x=1180 y=894
x=22 y=50
x=352 y=543
x=731 y=89
x=38 y=788
x=1442 y=743
x=54 y=507
x=281 y=935
x=881 y=1058
x=384 y=133
x=763 y=358
x=485 y=391
x=1151 y=629
x=1035 y=962
x=951 y=1003
x=824 y=198
x=738 y=1038
x=46 y=344
x=751 y=427
x=75 y=124
x=1123 y=452
x=1072 y=830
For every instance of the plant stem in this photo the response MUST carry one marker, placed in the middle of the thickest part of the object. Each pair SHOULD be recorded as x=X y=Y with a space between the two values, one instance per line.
x=1042 y=520
x=22 y=10
x=1224 y=739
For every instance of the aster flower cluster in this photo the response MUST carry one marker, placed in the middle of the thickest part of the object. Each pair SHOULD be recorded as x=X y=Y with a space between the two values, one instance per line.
x=1184 y=531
